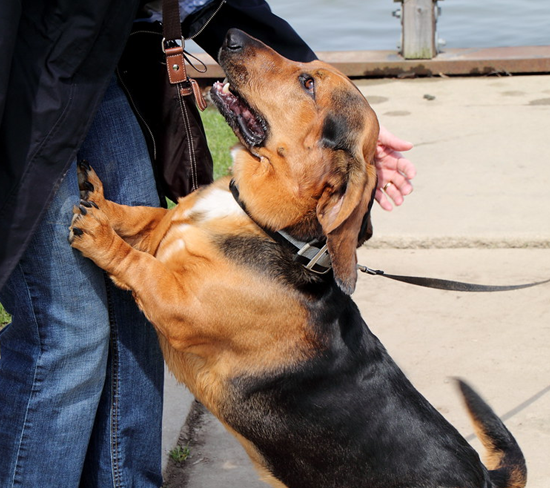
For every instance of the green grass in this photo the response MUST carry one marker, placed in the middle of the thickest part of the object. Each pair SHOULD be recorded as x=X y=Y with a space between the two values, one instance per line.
x=220 y=140
x=180 y=454
x=4 y=317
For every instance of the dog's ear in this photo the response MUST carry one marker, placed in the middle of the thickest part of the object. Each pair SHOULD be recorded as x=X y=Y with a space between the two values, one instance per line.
x=343 y=212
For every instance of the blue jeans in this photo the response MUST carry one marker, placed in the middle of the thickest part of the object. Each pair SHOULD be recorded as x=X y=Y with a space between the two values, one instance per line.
x=81 y=372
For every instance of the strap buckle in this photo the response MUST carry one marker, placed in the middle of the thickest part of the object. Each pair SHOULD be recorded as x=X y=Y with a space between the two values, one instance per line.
x=318 y=263
x=172 y=43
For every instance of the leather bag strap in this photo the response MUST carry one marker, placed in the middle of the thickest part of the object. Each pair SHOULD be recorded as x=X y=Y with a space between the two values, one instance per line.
x=172 y=42
x=173 y=45
x=171 y=26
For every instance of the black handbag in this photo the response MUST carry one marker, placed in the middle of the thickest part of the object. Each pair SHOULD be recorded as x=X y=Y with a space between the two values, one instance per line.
x=153 y=73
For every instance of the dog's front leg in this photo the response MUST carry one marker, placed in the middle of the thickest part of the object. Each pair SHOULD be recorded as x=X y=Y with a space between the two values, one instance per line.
x=154 y=286
x=135 y=225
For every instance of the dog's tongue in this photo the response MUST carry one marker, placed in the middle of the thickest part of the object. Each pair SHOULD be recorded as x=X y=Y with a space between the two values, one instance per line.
x=236 y=111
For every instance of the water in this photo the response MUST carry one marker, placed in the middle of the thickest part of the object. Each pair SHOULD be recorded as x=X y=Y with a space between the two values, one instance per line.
x=340 y=25
x=332 y=25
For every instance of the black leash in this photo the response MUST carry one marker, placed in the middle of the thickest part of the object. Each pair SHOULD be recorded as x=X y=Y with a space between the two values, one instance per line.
x=447 y=284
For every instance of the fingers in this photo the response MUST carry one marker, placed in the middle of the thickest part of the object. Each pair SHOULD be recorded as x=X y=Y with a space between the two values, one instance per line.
x=401 y=184
x=394 y=185
x=387 y=158
x=386 y=138
x=393 y=191
x=406 y=167
x=393 y=170
x=399 y=178
x=382 y=200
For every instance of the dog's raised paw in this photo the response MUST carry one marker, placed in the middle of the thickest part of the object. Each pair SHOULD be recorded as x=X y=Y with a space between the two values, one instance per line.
x=89 y=184
x=89 y=227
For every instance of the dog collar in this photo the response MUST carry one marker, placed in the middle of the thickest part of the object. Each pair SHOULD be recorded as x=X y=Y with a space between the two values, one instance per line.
x=311 y=255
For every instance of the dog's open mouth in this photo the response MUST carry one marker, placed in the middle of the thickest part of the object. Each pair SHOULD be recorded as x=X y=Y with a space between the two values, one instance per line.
x=249 y=126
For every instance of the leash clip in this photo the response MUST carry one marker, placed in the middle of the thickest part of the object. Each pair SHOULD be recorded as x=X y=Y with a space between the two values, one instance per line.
x=366 y=269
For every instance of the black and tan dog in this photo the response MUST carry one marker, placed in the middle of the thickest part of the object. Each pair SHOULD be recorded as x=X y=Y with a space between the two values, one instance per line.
x=249 y=319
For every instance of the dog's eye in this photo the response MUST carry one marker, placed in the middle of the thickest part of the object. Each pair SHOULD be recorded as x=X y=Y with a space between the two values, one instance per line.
x=308 y=83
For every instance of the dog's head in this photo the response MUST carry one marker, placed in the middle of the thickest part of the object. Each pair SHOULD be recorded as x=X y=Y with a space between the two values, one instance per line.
x=308 y=140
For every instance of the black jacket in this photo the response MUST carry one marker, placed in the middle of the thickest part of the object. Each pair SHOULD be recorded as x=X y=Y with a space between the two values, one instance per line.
x=56 y=60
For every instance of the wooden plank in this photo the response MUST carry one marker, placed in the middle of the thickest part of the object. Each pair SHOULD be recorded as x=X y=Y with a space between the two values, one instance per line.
x=462 y=62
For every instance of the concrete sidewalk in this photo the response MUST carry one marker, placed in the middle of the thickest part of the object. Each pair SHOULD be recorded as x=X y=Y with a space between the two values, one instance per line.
x=480 y=212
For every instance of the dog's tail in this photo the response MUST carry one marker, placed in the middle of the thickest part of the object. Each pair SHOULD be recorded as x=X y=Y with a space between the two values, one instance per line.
x=504 y=458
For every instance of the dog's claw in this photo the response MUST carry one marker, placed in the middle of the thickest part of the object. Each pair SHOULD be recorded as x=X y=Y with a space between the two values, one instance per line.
x=88 y=204
x=77 y=232
x=84 y=165
x=86 y=185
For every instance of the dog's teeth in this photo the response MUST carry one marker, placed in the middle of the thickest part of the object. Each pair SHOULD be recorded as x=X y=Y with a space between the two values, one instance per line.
x=225 y=88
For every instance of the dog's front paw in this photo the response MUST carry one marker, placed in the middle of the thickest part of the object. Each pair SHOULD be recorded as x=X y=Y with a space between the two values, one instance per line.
x=91 y=188
x=90 y=231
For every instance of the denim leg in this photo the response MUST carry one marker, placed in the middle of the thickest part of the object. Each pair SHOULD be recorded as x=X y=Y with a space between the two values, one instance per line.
x=80 y=368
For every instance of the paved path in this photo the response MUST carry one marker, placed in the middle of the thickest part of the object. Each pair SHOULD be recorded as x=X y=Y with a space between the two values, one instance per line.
x=480 y=212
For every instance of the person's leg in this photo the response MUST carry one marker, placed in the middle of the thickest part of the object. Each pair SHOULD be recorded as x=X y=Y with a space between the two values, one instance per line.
x=76 y=407
x=126 y=442
x=53 y=355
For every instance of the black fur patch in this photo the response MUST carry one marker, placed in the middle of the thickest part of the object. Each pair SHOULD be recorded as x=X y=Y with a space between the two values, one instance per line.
x=343 y=125
x=348 y=417
x=335 y=133
x=268 y=257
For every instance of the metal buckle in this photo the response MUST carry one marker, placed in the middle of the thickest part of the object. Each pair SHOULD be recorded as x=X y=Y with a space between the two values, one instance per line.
x=165 y=44
x=315 y=259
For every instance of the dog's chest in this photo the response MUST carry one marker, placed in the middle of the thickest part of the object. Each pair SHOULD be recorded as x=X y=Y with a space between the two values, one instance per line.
x=215 y=203
x=193 y=225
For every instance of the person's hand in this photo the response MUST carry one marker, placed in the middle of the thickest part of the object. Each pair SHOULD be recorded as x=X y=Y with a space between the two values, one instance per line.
x=393 y=170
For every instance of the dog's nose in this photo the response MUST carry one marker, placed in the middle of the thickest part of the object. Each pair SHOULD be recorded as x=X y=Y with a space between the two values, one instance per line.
x=233 y=40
